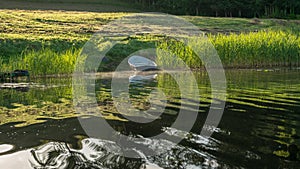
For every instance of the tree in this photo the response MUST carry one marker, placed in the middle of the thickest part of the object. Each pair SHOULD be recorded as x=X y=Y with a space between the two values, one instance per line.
x=227 y=8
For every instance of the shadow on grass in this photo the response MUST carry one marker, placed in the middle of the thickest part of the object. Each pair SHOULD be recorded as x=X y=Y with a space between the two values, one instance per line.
x=15 y=47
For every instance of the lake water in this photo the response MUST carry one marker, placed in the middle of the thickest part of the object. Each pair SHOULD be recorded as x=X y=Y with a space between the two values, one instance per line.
x=260 y=127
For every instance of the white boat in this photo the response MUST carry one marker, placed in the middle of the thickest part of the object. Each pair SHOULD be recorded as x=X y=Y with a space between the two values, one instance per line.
x=140 y=63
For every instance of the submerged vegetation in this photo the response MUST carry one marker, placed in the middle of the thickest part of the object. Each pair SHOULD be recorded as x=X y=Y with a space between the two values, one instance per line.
x=49 y=42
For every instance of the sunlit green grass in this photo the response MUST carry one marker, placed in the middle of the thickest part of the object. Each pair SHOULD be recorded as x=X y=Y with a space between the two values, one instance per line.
x=258 y=49
x=35 y=40
x=244 y=50
x=47 y=25
x=236 y=25
x=42 y=62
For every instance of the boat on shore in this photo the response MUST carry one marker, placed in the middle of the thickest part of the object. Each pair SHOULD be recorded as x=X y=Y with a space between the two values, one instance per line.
x=139 y=63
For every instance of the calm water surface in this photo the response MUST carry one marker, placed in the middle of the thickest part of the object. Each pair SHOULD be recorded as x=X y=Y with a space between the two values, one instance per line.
x=39 y=127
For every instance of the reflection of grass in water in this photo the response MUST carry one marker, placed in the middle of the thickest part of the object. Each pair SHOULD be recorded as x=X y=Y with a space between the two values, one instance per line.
x=139 y=102
x=263 y=90
x=43 y=100
x=174 y=96
x=262 y=107
x=38 y=93
x=248 y=89
x=271 y=100
x=252 y=97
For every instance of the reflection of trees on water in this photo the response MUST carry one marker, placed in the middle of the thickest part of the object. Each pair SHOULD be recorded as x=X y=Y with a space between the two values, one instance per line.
x=35 y=93
x=105 y=154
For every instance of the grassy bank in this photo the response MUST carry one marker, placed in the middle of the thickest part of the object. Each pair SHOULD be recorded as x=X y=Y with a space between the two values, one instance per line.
x=42 y=62
x=258 y=49
x=263 y=49
x=48 y=42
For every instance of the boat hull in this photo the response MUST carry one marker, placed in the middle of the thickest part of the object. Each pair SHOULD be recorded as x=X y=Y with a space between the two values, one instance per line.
x=139 y=63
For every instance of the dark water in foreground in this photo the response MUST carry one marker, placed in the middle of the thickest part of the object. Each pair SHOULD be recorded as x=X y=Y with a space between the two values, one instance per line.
x=260 y=127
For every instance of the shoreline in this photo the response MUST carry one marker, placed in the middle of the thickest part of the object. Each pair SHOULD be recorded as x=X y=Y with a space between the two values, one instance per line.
x=56 y=39
x=110 y=73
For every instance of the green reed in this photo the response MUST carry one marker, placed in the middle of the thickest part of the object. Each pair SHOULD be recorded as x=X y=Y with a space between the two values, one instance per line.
x=175 y=54
x=258 y=49
x=42 y=62
x=244 y=50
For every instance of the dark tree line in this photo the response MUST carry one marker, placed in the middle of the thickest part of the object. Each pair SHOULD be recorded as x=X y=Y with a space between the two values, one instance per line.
x=227 y=8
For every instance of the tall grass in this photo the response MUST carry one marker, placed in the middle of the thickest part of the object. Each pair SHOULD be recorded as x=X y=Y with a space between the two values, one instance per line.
x=175 y=54
x=258 y=49
x=15 y=46
x=244 y=50
x=42 y=62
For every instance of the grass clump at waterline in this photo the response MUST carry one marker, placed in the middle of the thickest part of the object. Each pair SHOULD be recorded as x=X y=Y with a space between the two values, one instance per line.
x=245 y=50
x=42 y=62
x=258 y=49
x=262 y=49
x=50 y=35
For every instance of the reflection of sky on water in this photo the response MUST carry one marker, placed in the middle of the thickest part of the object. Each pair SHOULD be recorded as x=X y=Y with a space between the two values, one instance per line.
x=98 y=154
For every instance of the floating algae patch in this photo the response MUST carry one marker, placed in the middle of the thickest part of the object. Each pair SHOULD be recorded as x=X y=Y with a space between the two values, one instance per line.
x=31 y=114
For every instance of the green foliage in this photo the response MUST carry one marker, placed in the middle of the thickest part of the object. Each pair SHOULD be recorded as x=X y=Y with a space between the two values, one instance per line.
x=42 y=62
x=227 y=8
x=236 y=25
x=244 y=50
x=12 y=47
x=175 y=54
x=50 y=25
x=48 y=42
x=123 y=49
x=258 y=49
